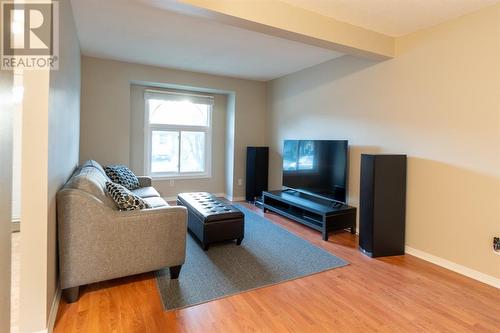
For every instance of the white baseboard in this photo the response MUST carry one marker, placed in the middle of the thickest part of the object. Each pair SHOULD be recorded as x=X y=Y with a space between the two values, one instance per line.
x=53 y=311
x=231 y=198
x=457 y=268
x=460 y=269
x=220 y=195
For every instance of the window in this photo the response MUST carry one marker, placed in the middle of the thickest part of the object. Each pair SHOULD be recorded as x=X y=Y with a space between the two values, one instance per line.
x=178 y=134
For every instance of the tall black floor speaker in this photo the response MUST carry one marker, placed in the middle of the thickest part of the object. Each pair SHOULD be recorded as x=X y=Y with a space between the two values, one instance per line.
x=257 y=169
x=382 y=205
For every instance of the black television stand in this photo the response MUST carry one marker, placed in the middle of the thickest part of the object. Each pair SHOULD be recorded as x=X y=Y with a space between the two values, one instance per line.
x=333 y=202
x=319 y=213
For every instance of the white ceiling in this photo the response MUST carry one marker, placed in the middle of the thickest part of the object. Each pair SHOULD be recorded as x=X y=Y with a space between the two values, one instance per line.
x=141 y=31
x=137 y=31
x=392 y=17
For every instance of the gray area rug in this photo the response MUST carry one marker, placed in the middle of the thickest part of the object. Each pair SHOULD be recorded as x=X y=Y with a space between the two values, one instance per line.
x=268 y=255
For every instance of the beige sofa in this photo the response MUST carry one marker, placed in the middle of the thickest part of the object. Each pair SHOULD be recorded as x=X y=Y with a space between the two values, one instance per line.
x=98 y=242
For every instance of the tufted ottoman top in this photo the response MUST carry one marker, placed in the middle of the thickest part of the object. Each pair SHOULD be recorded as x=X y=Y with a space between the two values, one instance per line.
x=208 y=207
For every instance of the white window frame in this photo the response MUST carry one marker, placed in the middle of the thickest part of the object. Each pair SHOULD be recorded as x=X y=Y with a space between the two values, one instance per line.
x=149 y=128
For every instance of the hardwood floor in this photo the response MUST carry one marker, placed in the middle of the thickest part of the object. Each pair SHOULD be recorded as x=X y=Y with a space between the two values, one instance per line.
x=393 y=294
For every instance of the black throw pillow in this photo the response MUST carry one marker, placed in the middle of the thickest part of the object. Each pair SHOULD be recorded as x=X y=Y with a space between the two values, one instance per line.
x=121 y=174
x=124 y=199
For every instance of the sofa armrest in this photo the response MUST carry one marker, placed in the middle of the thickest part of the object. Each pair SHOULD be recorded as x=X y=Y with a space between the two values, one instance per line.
x=144 y=181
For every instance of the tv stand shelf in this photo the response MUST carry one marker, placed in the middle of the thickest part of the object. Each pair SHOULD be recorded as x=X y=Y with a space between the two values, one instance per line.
x=318 y=213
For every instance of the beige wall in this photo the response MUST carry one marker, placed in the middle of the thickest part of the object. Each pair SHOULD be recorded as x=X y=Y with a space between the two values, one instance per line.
x=106 y=110
x=50 y=145
x=438 y=101
x=216 y=183
x=6 y=123
x=64 y=131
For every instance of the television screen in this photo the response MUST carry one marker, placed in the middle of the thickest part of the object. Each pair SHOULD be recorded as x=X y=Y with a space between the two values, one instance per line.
x=316 y=166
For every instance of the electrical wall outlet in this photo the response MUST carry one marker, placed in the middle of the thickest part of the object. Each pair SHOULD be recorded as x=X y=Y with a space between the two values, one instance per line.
x=496 y=244
x=172 y=182
x=240 y=181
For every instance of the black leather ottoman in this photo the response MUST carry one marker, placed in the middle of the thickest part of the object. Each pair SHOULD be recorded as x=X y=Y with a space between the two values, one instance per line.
x=212 y=220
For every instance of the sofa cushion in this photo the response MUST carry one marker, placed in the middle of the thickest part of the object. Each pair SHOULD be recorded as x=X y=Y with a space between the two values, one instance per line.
x=94 y=164
x=155 y=202
x=121 y=174
x=124 y=199
x=146 y=192
x=92 y=181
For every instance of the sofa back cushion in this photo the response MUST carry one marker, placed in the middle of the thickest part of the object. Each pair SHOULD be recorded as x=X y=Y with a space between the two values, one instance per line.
x=90 y=179
x=94 y=164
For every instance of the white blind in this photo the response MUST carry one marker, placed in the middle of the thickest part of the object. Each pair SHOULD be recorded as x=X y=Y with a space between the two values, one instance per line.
x=178 y=96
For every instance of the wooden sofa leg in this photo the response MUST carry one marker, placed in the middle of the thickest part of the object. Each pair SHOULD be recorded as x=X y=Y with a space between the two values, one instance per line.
x=71 y=294
x=175 y=271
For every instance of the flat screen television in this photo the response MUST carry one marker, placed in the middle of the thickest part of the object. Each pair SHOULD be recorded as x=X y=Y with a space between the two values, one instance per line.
x=317 y=167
